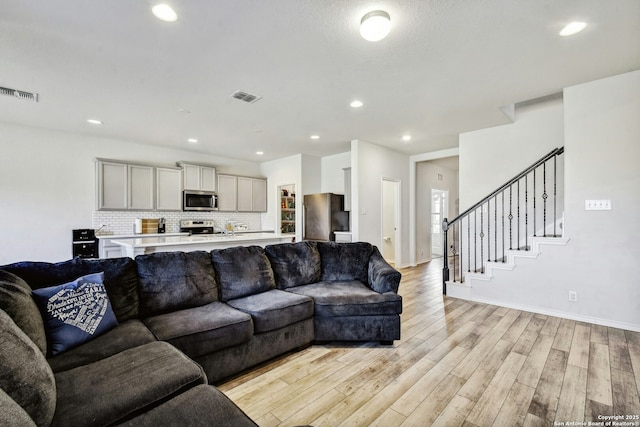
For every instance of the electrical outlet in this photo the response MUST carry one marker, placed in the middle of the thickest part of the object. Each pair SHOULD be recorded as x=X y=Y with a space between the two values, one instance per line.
x=573 y=296
x=597 y=205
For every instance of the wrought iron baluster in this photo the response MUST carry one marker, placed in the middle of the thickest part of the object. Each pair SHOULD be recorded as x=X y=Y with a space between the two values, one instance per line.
x=534 y=203
x=518 y=229
x=503 y=235
x=495 y=228
x=488 y=230
x=481 y=239
x=475 y=241
x=526 y=213
x=469 y=243
x=453 y=250
x=511 y=217
x=555 y=214
x=544 y=199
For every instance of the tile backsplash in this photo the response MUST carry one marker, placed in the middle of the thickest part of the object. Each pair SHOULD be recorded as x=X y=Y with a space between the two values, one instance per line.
x=121 y=222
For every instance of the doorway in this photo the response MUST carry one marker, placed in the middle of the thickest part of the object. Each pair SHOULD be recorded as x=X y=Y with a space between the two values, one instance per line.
x=439 y=208
x=390 y=245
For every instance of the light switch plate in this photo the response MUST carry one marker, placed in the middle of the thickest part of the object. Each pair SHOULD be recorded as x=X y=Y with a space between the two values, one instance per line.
x=597 y=205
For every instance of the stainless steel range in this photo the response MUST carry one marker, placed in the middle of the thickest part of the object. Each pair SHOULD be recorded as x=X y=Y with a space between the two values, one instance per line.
x=197 y=226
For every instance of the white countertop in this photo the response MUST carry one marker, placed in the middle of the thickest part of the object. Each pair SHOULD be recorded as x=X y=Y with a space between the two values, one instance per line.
x=135 y=236
x=180 y=240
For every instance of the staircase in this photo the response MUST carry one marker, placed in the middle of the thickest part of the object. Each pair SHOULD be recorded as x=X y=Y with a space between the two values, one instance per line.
x=513 y=222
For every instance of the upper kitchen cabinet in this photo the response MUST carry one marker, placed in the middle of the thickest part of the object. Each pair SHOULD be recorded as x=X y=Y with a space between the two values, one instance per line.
x=198 y=177
x=252 y=194
x=227 y=193
x=242 y=194
x=168 y=189
x=123 y=186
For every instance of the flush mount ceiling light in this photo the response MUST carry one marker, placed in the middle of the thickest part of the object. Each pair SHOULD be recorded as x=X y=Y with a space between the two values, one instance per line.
x=375 y=25
x=192 y=140
x=315 y=137
x=259 y=153
x=573 y=28
x=356 y=104
x=164 y=12
x=94 y=121
x=406 y=138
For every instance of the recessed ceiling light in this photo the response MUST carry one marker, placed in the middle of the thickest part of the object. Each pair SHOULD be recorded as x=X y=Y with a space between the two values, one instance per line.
x=573 y=28
x=406 y=138
x=192 y=140
x=375 y=25
x=315 y=137
x=164 y=12
x=259 y=153
x=356 y=104
x=94 y=121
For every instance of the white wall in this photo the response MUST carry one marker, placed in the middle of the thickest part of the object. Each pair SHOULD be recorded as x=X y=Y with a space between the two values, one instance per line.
x=333 y=173
x=47 y=186
x=601 y=134
x=370 y=164
x=490 y=157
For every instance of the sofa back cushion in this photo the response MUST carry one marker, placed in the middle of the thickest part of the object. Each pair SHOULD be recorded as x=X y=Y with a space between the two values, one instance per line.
x=172 y=281
x=25 y=375
x=242 y=271
x=16 y=301
x=120 y=279
x=294 y=264
x=12 y=414
x=344 y=261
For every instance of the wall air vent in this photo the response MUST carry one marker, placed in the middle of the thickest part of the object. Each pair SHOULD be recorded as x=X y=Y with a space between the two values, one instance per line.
x=27 y=96
x=246 y=97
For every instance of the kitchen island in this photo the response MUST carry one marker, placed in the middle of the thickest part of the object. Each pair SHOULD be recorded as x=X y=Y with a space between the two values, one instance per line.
x=148 y=245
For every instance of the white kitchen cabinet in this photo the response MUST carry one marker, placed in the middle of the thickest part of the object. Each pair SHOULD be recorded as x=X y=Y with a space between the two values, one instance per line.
x=227 y=193
x=259 y=194
x=108 y=249
x=242 y=193
x=112 y=184
x=168 y=189
x=245 y=194
x=141 y=187
x=198 y=177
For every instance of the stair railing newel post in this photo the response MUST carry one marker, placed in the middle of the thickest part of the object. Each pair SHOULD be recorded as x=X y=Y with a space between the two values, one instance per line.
x=445 y=264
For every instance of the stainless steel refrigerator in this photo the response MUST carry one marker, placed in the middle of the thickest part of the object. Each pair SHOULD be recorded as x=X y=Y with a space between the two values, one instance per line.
x=323 y=214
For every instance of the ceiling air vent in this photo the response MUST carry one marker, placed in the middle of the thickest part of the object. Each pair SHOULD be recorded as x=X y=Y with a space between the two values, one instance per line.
x=27 y=96
x=246 y=97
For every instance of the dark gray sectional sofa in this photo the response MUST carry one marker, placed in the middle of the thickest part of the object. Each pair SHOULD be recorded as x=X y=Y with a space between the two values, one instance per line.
x=185 y=321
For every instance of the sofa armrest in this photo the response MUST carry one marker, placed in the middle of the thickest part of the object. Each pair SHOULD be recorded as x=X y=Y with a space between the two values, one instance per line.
x=382 y=277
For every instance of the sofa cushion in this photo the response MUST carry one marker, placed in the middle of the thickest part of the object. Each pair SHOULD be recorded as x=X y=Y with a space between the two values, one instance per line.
x=75 y=312
x=242 y=271
x=120 y=279
x=204 y=329
x=349 y=299
x=344 y=261
x=274 y=309
x=175 y=280
x=12 y=414
x=126 y=335
x=16 y=301
x=294 y=264
x=112 y=389
x=25 y=374
x=201 y=406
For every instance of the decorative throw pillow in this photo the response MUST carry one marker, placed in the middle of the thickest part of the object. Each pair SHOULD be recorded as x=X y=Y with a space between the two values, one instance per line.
x=75 y=312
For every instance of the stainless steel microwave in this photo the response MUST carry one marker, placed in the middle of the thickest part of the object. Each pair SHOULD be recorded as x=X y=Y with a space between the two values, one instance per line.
x=199 y=200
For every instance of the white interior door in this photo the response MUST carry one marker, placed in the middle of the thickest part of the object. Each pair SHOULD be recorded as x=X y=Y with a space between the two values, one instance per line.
x=390 y=244
x=439 y=204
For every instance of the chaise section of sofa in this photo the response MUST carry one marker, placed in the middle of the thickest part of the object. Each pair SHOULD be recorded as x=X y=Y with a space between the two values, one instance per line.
x=353 y=288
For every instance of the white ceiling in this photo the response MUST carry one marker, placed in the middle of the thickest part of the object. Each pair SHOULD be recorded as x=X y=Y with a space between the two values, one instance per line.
x=446 y=67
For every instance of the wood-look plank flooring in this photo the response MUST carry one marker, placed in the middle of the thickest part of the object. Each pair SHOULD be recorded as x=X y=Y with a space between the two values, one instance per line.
x=458 y=363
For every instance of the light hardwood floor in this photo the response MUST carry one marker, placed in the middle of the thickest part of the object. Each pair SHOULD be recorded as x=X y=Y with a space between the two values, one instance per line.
x=458 y=363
